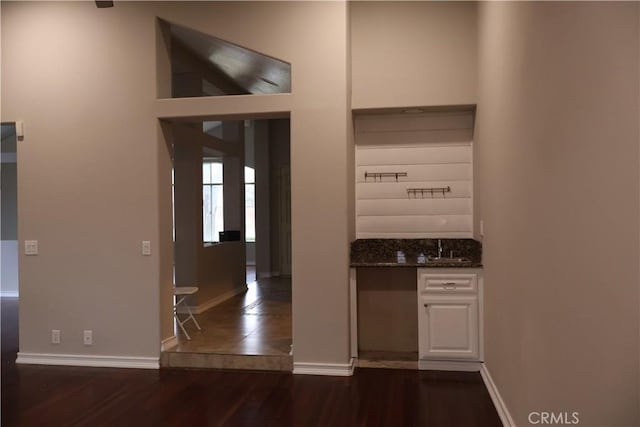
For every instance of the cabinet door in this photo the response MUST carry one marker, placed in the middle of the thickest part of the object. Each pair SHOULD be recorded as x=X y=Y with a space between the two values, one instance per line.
x=448 y=328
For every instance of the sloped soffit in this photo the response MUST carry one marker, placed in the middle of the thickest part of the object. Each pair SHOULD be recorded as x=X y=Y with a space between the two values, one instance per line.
x=253 y=71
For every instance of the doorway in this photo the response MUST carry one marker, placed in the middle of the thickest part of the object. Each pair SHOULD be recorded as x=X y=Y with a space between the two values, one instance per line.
x=232 y=231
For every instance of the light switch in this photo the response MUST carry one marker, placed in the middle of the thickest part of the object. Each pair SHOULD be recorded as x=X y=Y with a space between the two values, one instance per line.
x=146 y=247
x=482 y=228
x=55 y=336
x=31 y=247
x=19 y=130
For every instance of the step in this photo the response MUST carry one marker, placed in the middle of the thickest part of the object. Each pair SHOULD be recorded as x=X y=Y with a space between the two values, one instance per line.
x=387 y=360
x=169 y=359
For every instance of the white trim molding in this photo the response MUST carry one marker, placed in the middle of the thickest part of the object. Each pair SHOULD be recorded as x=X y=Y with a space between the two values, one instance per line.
x=268 y=275
x=9 y=294
x=168 y=342
x=353 y=311
x=201 y=308
x=330 y=369
x=501 y=408
x=88 y=360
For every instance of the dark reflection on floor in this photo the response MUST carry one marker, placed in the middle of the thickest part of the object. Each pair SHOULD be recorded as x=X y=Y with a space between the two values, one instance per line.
x=62 y=396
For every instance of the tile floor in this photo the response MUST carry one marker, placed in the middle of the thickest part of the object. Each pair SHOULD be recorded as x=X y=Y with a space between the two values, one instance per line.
x=256 y=323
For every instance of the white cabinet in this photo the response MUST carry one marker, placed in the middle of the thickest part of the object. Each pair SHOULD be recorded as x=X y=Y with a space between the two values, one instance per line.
x=449 y=319
x=434 y=283
x=450 y=327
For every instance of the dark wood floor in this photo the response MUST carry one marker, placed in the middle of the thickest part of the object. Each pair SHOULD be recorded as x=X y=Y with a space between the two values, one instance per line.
x=65 y=396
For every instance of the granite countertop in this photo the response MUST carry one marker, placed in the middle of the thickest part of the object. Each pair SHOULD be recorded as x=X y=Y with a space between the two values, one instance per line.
x=415 y=253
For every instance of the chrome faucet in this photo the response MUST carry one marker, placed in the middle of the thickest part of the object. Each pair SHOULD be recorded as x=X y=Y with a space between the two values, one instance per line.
x=439 y=248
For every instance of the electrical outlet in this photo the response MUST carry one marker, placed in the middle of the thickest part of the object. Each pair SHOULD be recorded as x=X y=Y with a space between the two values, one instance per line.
x=88 y=337
x=31 y=247
x=55 y=336
x=146 y=247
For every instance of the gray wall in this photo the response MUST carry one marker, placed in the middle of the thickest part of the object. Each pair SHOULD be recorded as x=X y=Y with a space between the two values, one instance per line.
x=9 y=213
x=251 y=253
x=219 y=268
x=387 y=315
x=270 y=151
x=557 y=142
x=121 y=80
x=279 y=157
x=262 y=252
x=413 y=53
x=9 y=201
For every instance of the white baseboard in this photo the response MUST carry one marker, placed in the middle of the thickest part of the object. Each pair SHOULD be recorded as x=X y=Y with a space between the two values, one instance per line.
x=331 y=369
x=445 y=365
x=201 y=308
x=9 y=294
x=88 y=360
x=501 y=408
x=169 y=342
x=268 y=275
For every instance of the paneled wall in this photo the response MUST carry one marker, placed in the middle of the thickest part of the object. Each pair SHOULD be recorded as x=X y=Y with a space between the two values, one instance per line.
x=434 y=150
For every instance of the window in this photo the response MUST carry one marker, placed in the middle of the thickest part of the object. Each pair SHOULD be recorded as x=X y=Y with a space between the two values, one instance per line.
x=250 y=203
x=212 y=200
